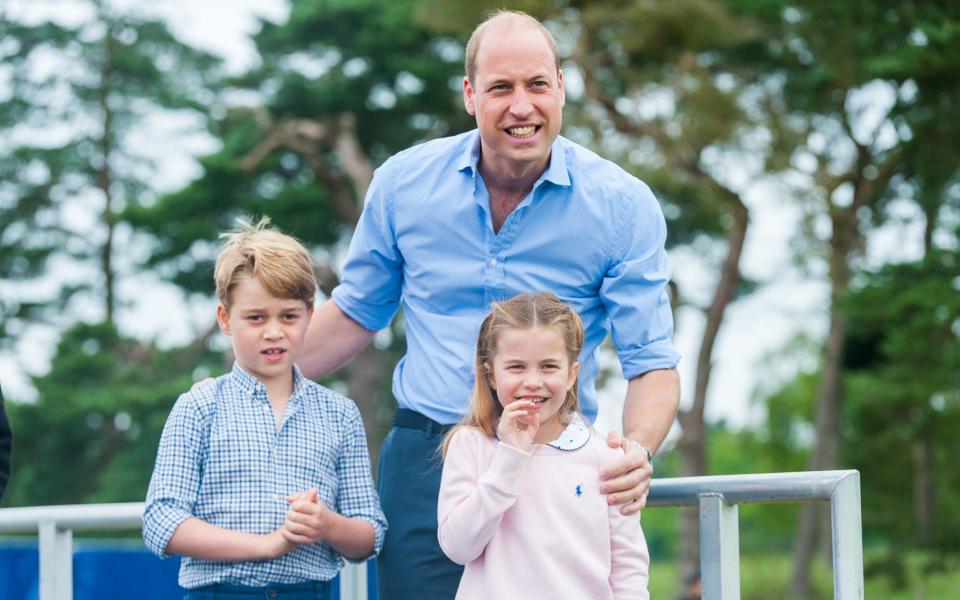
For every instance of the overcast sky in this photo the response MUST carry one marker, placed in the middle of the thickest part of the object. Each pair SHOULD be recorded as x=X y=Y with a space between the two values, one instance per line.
x=755 y=330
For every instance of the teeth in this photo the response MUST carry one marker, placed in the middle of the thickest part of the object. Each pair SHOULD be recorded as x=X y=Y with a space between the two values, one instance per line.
x=522 y=131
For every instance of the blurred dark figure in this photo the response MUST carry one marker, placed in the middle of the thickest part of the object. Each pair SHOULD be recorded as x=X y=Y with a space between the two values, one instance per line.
x=693 y=588
x=6 y=445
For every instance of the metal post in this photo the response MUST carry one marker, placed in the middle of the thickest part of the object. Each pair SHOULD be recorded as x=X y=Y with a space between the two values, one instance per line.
x=353 y=582
x=719 y=548
x=847 y=538
x=56 y=562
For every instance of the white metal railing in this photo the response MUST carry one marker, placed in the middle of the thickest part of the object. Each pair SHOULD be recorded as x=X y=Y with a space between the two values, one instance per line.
x=56 y=524
x=717 y=496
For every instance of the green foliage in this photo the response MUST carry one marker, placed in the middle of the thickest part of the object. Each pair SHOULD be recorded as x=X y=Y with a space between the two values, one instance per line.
x=356 y=73
x=904 y=399
x=92 y=435
x=76 y=97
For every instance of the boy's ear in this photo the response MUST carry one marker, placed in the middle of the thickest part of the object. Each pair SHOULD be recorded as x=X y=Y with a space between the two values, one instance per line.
x=223 y=319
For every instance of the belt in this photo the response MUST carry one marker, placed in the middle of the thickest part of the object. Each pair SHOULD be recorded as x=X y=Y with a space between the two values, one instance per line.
x=411 y=419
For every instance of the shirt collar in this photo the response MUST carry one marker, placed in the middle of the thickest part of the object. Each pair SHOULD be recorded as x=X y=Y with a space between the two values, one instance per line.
x=249 y=384
x=574 y=437
x=556 y=172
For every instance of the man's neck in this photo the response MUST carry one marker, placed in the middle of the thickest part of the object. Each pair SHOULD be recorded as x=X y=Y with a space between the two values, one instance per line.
x=513 y=182
x=508 y=188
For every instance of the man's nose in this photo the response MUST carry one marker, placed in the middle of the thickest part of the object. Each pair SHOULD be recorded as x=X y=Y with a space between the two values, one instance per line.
x=520 y=105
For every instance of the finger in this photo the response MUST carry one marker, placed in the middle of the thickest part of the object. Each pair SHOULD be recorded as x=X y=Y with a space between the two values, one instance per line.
x=307 y=507
x=632 y=508
x=615 y=440
x=633 y=460
x=295 y=528
x=636 y=479
x=518 y=406
x=296 y=539
x=295 y=496
x=312 y=495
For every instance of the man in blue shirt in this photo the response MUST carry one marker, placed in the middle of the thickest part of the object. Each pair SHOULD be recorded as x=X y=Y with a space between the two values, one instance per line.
x=454 y=224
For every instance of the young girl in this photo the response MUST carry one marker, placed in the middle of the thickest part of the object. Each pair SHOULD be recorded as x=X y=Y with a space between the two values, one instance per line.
x=520 y=502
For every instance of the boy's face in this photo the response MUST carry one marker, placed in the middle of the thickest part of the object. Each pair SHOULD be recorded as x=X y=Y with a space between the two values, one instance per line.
x=267 y=331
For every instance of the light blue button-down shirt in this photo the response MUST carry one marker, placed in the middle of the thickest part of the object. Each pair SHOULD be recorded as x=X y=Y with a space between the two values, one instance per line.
x=588 y=231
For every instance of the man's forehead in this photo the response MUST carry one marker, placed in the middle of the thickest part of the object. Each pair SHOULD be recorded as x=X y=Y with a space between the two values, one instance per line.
x=494 y=55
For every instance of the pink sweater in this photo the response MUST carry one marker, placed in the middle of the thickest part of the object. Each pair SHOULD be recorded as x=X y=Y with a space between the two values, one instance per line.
x=535 y=525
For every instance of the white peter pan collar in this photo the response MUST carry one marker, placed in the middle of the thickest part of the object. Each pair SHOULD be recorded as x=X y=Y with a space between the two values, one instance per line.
x=574 y=437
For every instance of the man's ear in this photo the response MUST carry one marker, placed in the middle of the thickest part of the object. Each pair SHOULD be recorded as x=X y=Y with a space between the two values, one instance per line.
x=223 y=319
x=468 y=97
x=560 y=88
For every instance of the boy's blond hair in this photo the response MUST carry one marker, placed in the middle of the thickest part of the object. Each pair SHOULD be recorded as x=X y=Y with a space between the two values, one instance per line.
x=278 y=261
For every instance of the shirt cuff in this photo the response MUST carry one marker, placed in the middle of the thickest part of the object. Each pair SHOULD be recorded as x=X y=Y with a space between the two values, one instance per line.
x=367 y=316
x=159 y=525
x=656 y=355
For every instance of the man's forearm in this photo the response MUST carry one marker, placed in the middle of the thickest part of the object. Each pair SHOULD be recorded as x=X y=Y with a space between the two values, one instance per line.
x=651 y=407
x=332 y=339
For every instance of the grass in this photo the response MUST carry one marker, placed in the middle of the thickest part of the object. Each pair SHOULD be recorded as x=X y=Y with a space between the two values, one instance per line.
x=920 y=576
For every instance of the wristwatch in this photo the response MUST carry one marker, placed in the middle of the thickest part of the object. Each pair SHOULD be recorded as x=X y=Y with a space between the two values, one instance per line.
x=649 y=454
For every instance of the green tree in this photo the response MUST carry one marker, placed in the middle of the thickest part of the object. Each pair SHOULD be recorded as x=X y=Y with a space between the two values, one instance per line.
x=852 y=84
x=77 y=98
x=92 y=435
x=903 y=361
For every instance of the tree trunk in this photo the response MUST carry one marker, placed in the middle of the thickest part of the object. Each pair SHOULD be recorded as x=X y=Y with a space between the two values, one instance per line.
x=104 y=182
x=692 y=443
x=829 y=399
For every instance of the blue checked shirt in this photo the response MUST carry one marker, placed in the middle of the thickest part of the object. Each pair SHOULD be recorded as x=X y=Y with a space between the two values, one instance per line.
x=222 y=460
x=589 y=232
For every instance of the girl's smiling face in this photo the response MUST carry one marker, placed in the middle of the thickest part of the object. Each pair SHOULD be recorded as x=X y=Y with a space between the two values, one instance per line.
x=532 y=365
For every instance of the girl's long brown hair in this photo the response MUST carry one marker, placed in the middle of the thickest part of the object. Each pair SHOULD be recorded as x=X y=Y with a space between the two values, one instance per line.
x=526 y=311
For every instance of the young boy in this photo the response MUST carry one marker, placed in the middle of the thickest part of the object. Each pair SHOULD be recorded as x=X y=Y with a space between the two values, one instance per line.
x=262 y=480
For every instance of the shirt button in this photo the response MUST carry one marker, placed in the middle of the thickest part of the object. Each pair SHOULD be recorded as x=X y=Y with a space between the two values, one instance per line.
x=272 y=593
x=493 y=261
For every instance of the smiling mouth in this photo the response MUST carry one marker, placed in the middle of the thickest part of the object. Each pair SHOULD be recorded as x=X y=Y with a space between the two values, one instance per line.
x=273 y=354
x=523 y=132
x=537 y=402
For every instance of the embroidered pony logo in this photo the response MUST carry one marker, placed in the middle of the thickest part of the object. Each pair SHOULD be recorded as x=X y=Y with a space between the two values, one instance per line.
x=579 y=490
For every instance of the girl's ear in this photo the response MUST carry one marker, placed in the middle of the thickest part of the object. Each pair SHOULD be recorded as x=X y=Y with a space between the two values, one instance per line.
x=223 y=319
x=572 y=375
x=489 y=372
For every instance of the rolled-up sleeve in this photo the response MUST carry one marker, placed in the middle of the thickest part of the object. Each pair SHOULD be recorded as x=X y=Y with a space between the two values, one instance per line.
x=369 y=290
x=176 y=476
x=357 y=497
x=634 y=289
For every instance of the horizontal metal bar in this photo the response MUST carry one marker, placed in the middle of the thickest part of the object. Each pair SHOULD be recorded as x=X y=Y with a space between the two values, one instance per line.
x=79 y=517
x=804 y=486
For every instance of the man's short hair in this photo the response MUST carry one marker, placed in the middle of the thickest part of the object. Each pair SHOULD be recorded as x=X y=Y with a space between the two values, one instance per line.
x=278 y=261
x=507 y=17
